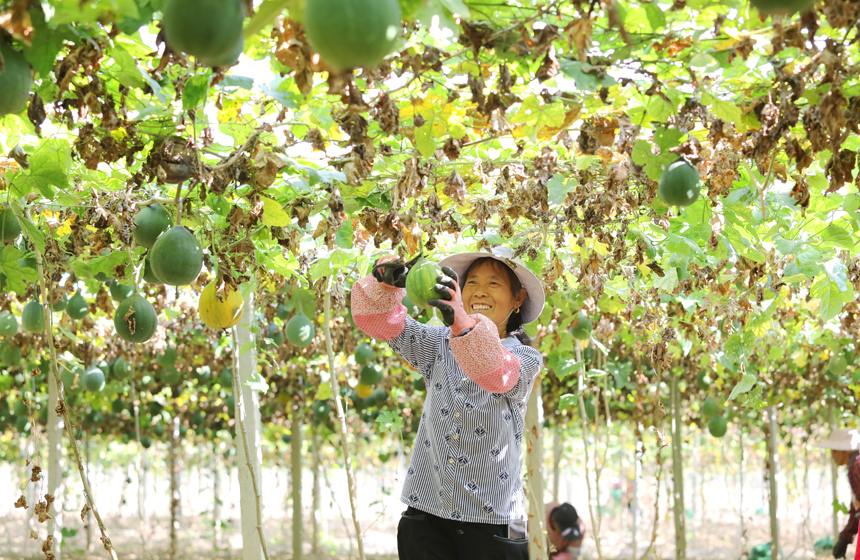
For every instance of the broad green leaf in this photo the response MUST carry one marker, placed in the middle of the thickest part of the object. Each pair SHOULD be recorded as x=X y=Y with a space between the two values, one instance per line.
x=656 y=17
x=838 y=273
x=18 y=278
x=836 y=236
x=586 y=76
x=195 y=91
x=743 y=386
x=831 y=298
x=126 y=69
x=273 y=213
x=424 y=140
x=568 y=400
x=558 y=188
x=49 y=166
x=344 y=235
x=726 y=110
x=323 y=392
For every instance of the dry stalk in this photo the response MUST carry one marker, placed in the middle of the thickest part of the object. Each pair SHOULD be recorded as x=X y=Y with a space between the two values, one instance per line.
x=61 y=406
x=341 y=415
x=237 y=390
x=137 y=466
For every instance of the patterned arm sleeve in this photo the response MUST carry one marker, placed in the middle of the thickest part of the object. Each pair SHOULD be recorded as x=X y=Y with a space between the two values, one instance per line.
x=376 y=311
x=483 y=358
x=419 y=344
x=854 y=514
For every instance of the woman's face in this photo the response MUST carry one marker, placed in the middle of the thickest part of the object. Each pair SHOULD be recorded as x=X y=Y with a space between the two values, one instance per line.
x=487 y=291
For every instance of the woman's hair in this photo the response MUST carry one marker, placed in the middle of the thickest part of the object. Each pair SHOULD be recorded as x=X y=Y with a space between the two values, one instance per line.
x=514 y=325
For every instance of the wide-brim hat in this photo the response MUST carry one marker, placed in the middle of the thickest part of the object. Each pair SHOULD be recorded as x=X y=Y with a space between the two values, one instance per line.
x=535 y=298
x=842 y=439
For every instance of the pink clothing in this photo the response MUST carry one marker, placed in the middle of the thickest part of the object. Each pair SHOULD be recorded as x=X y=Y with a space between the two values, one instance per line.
x=479 y=353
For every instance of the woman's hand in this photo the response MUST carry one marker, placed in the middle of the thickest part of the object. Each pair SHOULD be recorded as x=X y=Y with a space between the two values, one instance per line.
x=391 y=271
x=450 y=303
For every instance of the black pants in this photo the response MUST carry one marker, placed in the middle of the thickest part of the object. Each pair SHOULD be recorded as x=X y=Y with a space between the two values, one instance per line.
x=423 y=536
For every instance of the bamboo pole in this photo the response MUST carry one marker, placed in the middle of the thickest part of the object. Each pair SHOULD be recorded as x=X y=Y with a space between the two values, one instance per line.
x=61 y=409
x=534 y=478
x=296 y=471
x=248 y=411
x=216 y=497
x=584 y=419
x=353 y=499
x=175 y=505
x=774 y=497
x=834 y=478
x=55 y=469
x=678 y=472
x=315 y=502
x=556 y=461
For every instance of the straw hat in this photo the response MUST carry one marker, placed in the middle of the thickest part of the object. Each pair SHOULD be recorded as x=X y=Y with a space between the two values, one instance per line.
x=535 y=298
x=842 y=439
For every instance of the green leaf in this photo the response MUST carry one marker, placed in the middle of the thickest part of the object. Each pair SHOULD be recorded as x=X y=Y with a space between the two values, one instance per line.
x=726 y=110
x=247 y=347
x=126 y=68
x=586 y=76
x=424 y=140
x=831 y=298
x=558 y=189
x=457 y=7
x=344 y=235
x=36 y=237
x=273 y=213
x=568 y=400
x=323 y=392
x=17 y=278
x=656 y=17
x=743 y=386
x=46 y=44
x=48 y=169
x=390 y=420
x=836 y=236
x=837 y=272
x=195 y=91
x=257 y=382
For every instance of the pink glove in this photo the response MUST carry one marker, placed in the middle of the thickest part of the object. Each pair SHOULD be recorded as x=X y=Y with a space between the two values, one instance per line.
x=450 y=303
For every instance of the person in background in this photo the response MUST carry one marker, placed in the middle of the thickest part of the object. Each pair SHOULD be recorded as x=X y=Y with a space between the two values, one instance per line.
x=564 y=530
x=463 y=489
x=843 y=445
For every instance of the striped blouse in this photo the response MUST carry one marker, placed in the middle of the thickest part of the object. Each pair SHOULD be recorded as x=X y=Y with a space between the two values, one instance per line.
x=467 y=458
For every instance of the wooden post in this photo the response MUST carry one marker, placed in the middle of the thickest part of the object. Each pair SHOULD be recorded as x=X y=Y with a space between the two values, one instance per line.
x=774 y=491
x=678 y=472
x=55 y=467
x=534 y=476
x=249 y=454
x=88 y=453
x=216 y=496
x=834 y=473
x=174 y=466
x=637 y=476
x=556 y=460
x=296 y=472
x=315 y=505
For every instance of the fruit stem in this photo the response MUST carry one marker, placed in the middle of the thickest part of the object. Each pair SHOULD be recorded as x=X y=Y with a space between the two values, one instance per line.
x=341 y=415
x=135 y=271
x=61 y=406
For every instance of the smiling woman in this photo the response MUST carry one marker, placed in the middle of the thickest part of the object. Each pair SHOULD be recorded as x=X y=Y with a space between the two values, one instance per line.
x=476 y=375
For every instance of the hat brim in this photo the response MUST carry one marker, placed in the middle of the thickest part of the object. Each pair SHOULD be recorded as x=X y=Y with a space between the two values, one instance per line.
x=837 y=445
x=535 y=297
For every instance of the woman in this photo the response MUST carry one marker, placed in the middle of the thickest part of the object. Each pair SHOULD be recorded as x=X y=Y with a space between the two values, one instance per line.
x=843 y=444
x=463 y=487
